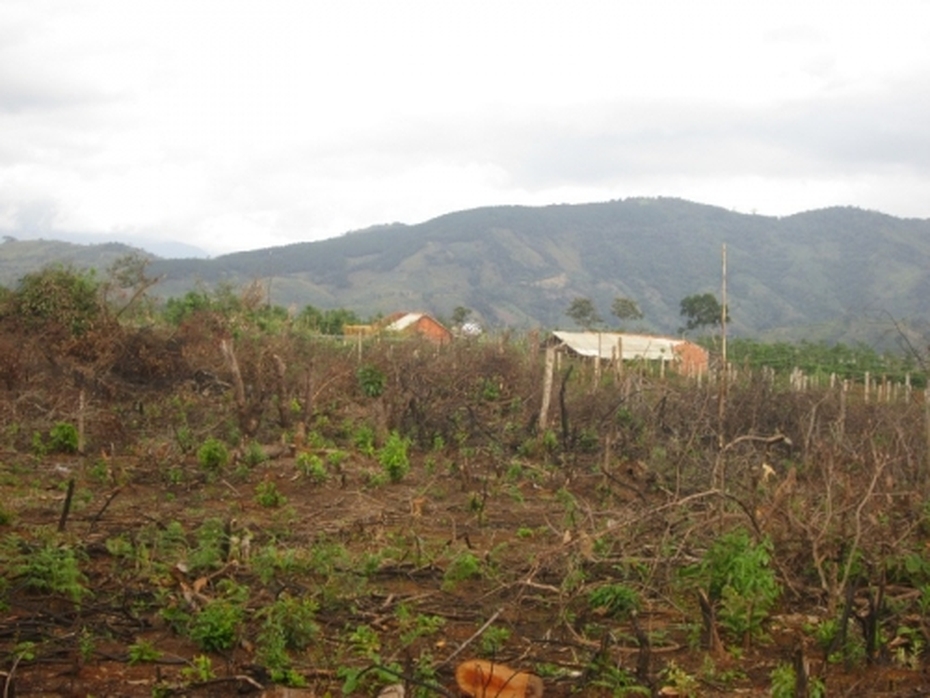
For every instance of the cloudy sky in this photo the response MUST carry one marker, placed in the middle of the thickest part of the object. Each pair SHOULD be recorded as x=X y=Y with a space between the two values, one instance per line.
x=234 y=125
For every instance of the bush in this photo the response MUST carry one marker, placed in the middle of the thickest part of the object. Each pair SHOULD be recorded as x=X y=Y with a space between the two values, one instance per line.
x=213 y=455
x=63 y=438
x=50 y=568
x=60 y=301
x=254 y=454
x=371 y=380
x=143 y=651
x=211 y=543
x=463 y=566
x=393 y=457
x=615 y=599
x=312 y=467
x=784 y=683
x=736 y=573
x=288 y=624
x=363 y=438
x=268 y=495
x=216 y=627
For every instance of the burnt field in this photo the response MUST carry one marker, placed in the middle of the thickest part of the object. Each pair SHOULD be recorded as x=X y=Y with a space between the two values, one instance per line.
x=218 y=508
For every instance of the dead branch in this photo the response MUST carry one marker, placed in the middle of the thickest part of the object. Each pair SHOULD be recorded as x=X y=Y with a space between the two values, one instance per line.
x=284 y=407
x=106 y=504
x=238 y=387
x=767 y=440
x=851 y=554
x=645 y=649
x=475 y=636
x=66 y=509
x=709 y=617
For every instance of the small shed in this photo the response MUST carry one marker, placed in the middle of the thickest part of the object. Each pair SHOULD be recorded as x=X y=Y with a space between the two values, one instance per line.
x=359 y=330
x=421 y=324
x=685 y=357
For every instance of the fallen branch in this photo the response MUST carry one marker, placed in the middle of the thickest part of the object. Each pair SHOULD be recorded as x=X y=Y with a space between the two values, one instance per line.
x=106 y=504
x=474 y=637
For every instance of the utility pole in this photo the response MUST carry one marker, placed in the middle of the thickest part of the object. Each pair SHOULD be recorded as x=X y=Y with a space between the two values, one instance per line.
x=720 y=469
x=723 y=312
x=719 y=480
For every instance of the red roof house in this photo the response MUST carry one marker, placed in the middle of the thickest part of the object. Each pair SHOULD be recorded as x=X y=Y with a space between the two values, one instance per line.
x=417 y=323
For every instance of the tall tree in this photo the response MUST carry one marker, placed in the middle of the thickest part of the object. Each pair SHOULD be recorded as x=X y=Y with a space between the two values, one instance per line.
x=460 y=315
x=626 y=309
x=583 y=312
x=702 y=310
x=331 y=321
x=127 y=282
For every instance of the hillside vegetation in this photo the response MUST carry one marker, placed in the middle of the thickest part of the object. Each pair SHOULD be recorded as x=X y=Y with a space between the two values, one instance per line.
x=838 y=274
x=21 y=257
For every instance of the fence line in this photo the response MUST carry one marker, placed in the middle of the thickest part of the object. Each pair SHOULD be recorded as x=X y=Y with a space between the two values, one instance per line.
x=871 y=388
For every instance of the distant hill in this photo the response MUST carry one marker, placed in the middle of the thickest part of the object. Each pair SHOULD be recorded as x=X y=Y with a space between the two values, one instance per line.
x=20 y=257
x=833 y=274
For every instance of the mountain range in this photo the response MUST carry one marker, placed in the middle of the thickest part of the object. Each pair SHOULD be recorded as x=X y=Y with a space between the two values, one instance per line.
x=834 y=274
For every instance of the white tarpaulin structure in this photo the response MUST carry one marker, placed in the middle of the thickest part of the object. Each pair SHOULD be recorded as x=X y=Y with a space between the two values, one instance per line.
x=633 y=346
x=681 y=355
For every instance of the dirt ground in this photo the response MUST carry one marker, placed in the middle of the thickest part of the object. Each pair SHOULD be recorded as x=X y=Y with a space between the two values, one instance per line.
x=539 y=539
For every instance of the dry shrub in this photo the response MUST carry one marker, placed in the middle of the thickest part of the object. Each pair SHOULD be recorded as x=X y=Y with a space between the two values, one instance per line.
x=149 y=358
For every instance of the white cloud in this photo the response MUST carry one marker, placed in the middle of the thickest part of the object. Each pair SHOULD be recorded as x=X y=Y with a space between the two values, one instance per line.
x=235 y=125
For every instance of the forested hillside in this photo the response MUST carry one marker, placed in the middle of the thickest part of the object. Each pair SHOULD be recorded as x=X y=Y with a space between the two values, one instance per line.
x=834 y=274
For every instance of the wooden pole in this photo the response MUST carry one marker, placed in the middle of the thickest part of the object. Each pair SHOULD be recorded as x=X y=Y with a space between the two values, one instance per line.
x=723 y=312
x=927 y=429
x=722 y=388
x=81 y=409
x=620 y=356
x=65 y=510
x=547 y=389
x=841 y=420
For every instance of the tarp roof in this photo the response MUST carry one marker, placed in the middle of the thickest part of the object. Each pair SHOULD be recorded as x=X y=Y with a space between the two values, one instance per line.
x=634 y=346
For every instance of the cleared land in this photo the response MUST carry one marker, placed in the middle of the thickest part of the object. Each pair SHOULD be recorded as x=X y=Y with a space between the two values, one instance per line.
x=286 y=511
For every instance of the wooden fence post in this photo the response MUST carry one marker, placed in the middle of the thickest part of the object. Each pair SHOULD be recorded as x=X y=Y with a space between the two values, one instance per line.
x=844 y=386
x=547 y=388
x=927 y=429
x=620 y=357
x=81 y=409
